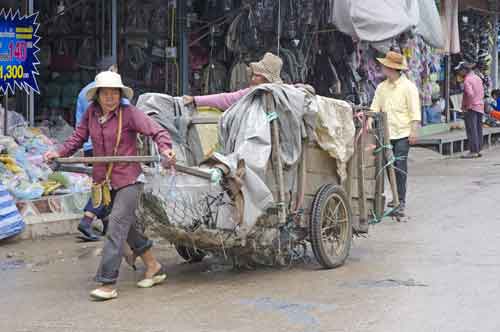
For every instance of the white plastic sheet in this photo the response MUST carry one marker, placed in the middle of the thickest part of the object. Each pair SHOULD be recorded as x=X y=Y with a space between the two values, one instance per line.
x=379 y=20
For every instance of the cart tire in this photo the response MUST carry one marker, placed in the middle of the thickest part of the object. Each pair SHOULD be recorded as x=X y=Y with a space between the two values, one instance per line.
x=330 y=226
x=191 y=255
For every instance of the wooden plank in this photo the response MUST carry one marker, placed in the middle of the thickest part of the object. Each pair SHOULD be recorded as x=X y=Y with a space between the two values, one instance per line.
x=369 y=189
x=370 y=173
x=319 y=161
x=379 y=179
x=315 y=181
x=361 y=183
x=370 y=206
x=369 y=160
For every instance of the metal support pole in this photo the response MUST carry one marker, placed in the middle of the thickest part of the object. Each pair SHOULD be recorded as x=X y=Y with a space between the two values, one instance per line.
x=494 y=64
x=31 y=94
x=183 y=46
x=447 y=73
x=103 y=29
x=5 y=113
x=114 y=31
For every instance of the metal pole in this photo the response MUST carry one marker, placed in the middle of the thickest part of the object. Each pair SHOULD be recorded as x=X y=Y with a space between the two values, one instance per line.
x=198 y=172
x=31 y=95
x=183 y=46
x=114 y=31
x=494 y=64
x=447 y=74
x=5 y=114
x=103 y=29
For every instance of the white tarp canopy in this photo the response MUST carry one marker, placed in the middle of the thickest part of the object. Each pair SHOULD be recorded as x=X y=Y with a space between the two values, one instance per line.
x=379 y=20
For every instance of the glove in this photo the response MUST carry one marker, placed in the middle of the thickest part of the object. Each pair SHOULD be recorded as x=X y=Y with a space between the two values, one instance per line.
x=216 y=175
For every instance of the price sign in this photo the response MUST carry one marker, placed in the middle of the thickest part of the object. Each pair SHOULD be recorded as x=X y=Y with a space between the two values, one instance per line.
x=18 y=48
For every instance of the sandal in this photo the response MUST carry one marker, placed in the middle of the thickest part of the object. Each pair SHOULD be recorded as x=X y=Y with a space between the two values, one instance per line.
x=130 y=260
x=157 y=278
x=102 y=295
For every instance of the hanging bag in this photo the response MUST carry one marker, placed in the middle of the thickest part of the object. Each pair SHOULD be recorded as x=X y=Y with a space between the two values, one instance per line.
x=101 y=192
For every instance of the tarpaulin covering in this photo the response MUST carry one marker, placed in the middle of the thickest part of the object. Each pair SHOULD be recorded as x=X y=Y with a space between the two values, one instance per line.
x=335 y=131
x=172 y=115
x=11 y=222
x=375 y=21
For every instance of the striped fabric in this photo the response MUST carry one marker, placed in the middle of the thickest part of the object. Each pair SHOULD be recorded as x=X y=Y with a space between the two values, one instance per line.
x=11 y=222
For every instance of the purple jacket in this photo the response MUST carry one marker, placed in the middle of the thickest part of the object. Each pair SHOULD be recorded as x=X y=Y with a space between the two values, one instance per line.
x=221 y=101
x=104 y=139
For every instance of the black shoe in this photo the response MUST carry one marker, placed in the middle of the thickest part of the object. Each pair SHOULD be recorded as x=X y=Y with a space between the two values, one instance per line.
x=87 y=233
x=105 y=224
x=391 y=204
x=400 y=211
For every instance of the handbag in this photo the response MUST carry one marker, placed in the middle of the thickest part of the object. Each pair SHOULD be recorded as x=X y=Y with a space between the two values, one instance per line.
x=101 y=192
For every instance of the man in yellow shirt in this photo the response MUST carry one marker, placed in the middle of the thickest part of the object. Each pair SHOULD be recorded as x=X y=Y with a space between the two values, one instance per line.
x=399 y=98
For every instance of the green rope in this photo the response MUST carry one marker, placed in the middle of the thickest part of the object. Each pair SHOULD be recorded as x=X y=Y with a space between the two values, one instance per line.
x=387 y=213
x=382 y=147
x=271 y=116
x=391 y=163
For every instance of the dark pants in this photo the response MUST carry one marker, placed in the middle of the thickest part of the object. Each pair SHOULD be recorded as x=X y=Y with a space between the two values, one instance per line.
x=474 y=129
x=122 y=227
x=101 y=211
x=401 y=148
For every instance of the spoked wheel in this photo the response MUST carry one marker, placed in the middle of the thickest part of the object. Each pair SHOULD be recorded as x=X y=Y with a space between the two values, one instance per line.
x=189 y=254
x=330 y=226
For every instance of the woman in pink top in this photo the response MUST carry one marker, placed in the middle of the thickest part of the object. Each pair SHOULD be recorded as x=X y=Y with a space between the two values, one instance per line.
x=114 y=129
x=473 y=108
x=267 y=70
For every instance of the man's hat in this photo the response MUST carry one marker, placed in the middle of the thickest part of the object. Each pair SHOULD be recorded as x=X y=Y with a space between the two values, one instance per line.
x=394 y=60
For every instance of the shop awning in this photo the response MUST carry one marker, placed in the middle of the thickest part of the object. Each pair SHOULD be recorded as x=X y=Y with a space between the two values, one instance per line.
x=384 y=19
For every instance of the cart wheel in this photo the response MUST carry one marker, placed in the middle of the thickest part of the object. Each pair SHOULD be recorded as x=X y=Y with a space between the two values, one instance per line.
x=189 y=254
x=330 y=226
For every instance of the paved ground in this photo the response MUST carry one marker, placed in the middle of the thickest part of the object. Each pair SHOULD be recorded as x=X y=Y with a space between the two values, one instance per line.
x=438 y=272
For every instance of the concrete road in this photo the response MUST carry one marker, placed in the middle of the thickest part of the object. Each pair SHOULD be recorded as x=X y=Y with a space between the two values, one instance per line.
x=439 y=271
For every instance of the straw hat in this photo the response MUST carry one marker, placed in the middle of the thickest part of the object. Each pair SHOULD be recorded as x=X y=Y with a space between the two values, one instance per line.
x=394 y=60
x=269 y=67
x=109 y=79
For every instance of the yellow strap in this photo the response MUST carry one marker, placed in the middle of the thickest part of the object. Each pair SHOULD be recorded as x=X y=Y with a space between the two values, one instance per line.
x=115 y=151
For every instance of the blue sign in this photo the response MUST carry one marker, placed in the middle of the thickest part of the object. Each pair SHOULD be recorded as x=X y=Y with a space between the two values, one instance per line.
x=18 y=49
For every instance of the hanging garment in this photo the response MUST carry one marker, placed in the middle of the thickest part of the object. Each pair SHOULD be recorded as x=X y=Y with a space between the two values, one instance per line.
x=449 y=23
x=324 y=76
x=239 y=76
x=214 y=78
x=87 y=53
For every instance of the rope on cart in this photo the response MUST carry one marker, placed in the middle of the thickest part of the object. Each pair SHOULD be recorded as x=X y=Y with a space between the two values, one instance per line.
x=377 y=220
x=390 y=162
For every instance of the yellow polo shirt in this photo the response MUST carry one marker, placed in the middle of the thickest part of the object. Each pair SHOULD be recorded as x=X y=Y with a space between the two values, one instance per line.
x=401 y=101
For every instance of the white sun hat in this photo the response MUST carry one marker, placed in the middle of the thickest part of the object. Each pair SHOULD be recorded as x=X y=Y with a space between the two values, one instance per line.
x=109 y=79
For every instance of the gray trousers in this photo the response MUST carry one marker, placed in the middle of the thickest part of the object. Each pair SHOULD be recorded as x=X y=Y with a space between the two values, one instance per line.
x=474 y=130
x=122 y=226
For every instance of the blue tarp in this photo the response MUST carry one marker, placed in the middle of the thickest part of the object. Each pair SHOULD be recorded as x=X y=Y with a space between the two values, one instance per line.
x=11 y=222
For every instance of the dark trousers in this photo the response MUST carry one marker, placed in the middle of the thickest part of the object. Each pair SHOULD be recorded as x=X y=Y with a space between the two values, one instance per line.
x=474 y=129
x=401 y=148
